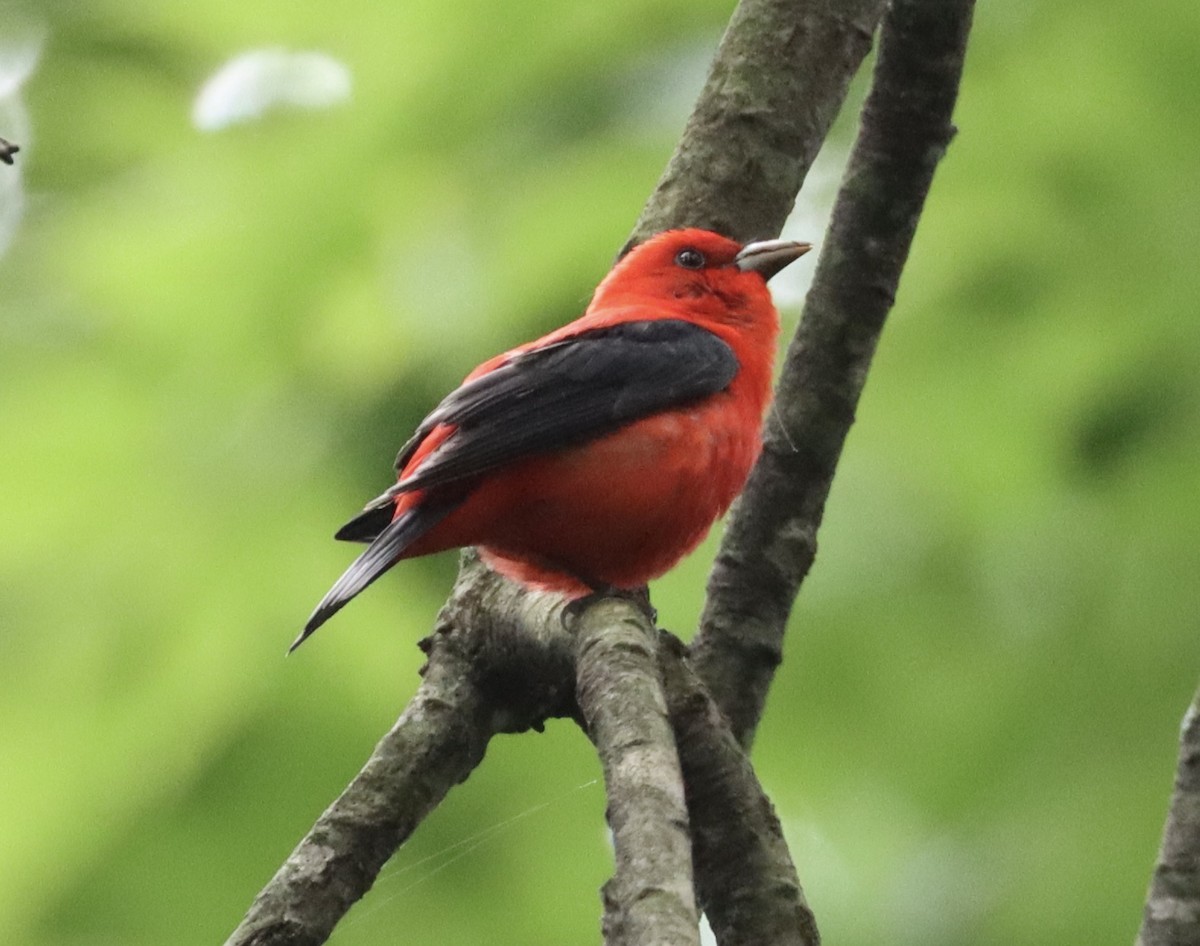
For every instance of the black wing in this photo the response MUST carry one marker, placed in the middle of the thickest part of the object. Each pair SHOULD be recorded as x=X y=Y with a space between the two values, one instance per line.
x=569 y=392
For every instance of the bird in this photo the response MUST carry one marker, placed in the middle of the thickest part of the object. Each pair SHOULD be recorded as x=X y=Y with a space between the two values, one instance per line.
x=595 y=457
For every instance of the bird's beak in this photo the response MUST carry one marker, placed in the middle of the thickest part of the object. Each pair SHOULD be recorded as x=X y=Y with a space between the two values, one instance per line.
x=769 y=256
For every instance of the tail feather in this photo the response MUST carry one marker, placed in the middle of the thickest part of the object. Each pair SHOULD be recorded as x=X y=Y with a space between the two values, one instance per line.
x=375 y=517
x=384 y=551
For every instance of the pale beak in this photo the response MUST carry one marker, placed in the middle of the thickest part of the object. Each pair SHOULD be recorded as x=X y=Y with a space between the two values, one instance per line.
x=769 y=256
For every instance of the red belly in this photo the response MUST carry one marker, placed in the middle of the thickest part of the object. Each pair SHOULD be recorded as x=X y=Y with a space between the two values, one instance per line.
x=619 y=510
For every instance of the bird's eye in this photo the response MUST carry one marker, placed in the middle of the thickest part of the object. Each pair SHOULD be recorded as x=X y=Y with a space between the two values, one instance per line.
x=689 y=259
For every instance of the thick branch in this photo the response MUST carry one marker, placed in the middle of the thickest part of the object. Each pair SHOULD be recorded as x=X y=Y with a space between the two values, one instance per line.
x=1172 y=915
x=650 y=900
x=498 y=662
x=777 y=82
x=745 y=879
x=435 y=744
x=770 y=541
x=521 y=658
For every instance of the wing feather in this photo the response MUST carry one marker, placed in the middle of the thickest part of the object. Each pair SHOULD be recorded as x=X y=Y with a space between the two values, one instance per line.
x=566 y=393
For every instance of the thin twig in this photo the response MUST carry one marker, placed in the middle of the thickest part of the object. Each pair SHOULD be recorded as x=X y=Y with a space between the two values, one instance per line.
x=770 y=540
x=650 y=899
x=1172 y=914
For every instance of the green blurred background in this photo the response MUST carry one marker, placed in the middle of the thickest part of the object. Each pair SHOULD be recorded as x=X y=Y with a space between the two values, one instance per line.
x=212 y=342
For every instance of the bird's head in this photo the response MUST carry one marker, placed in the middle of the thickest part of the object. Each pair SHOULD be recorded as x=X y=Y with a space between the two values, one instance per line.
x=701 y=271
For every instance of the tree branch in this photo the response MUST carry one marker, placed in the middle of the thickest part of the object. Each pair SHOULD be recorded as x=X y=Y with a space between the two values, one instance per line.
x=650 y=899
x=770 y=540
x=435 y=744
x=498 y=662
x=778 y=81
x=1172 y=915
x=745 y=878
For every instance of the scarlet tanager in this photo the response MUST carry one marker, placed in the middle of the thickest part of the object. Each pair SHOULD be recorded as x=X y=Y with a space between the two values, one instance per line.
x=599 y=455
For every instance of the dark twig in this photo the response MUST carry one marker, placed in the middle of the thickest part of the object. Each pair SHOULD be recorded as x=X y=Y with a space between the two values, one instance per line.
x=7 y=150
x=770 y=541
x=745 y=879
x=1172 y=915
x=650 y=899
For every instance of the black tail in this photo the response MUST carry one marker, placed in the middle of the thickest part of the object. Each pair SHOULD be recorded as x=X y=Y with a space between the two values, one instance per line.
x=383 y=552
x=367 y=525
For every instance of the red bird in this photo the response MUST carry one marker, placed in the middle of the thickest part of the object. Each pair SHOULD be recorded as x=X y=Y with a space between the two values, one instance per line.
x=599 y=455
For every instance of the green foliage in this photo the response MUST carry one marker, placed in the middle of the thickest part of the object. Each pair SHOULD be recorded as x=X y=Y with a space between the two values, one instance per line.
x=211 y=344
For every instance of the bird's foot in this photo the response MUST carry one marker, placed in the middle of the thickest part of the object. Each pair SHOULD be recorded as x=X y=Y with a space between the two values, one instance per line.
x=639 y=597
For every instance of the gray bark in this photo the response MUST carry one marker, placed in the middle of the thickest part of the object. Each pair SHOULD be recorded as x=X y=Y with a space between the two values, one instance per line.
x=745 y=879
x=650 y=899
x=1172 y=914
x=776 y=85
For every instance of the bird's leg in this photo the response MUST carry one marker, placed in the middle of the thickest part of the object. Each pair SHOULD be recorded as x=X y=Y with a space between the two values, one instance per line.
x=639 y=597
